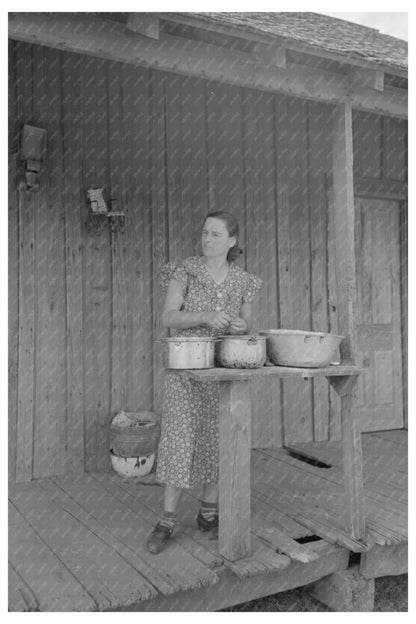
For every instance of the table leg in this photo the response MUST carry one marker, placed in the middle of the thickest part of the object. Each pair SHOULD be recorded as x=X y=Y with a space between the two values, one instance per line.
x=352 y=460
x=234 y=540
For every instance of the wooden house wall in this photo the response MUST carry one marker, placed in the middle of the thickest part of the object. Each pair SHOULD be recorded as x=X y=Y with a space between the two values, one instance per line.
x=85 y=304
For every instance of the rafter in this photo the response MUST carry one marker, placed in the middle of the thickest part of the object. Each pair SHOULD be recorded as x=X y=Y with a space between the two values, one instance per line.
x=143 y=24
x=371 y=78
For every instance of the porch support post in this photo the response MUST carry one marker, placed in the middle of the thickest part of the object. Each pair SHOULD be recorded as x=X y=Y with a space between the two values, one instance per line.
x=344 y=222
x=343 y=206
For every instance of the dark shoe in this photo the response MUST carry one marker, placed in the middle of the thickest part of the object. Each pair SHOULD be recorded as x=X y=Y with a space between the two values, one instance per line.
x=208 y=525
x=158 y=538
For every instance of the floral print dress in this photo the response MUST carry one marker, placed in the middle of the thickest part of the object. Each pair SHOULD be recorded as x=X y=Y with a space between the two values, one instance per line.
x=188 y=447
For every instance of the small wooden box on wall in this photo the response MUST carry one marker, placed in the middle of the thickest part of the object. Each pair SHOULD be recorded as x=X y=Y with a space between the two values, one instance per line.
x=99 y=212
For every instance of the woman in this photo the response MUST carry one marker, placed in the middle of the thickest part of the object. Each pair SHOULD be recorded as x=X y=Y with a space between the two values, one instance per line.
x=206 y=296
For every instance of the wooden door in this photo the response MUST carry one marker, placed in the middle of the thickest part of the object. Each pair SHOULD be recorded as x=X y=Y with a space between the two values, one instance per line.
x=380 y=394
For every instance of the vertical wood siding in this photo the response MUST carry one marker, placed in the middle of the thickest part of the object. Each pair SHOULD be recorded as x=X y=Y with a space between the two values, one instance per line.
x=319 y=163
x=72 y=202
x=84 y=296
x=13 y=270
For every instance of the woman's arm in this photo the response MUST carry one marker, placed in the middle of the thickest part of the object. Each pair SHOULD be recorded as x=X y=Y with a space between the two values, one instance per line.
x=244 y=323
x=174 y=317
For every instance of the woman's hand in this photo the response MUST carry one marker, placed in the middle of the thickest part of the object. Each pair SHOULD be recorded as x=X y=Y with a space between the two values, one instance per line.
x=218 y=320
x=238 y=326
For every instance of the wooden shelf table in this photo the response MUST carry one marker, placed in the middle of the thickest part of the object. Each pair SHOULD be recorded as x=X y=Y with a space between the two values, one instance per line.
x=235 y=447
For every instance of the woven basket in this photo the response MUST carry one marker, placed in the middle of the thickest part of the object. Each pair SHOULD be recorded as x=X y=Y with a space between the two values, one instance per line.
x=138 y=440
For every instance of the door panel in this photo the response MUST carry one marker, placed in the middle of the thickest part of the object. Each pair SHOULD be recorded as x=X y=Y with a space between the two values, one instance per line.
x=380 y=392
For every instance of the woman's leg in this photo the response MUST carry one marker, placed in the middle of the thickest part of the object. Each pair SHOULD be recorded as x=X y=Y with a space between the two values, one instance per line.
x=208 y=513
x=171 y=498
x=210 y=493
x=163 y=530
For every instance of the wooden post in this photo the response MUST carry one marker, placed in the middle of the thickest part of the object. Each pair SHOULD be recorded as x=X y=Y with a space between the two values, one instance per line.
x=344 y=222
x=234 y=470
x=343 y=207
x=352 y=460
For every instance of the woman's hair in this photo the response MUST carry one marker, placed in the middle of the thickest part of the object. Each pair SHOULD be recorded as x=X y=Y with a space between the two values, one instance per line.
x=233 y=229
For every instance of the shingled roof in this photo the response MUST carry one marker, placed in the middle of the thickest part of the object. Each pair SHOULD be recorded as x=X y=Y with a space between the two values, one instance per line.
x=317 y=31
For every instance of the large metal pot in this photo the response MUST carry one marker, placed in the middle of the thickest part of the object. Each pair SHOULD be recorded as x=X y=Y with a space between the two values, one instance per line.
x=304 y=349
x=188 y=352
x=248 y=351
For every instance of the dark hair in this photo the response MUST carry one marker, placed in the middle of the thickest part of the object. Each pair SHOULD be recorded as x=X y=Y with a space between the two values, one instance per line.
x=233 y=229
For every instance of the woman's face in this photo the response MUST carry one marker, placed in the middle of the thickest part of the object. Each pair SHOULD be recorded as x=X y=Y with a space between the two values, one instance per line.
x=215 y=238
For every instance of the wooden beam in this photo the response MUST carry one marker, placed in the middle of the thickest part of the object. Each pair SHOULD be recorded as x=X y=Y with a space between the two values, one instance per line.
x=270 y=55
x=105 y=39
x=371 y=78
x=392 y=101
x=384 y=561
x=143 y=24
x=344 y=223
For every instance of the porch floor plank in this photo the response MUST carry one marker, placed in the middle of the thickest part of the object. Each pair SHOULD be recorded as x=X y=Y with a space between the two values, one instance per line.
x=123 y=531
x=107 y=576
x=20 y=594
x=312 y=501
x=389 y=480
x=177 y=569
x=385 y=480
x=53 y=586
x=309 y=480
x=78 y=542
x=146 y=502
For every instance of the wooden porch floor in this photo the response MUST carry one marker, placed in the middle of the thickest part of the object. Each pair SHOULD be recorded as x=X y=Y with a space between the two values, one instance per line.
x=76 y=543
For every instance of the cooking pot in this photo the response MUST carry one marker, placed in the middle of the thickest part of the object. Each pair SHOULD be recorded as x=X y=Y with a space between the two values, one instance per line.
x=247 y=351
x=188 y=352
x=304 y=349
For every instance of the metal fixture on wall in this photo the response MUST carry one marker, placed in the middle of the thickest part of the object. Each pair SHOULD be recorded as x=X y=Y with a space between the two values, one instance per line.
x=32 y=154
x=99 y=212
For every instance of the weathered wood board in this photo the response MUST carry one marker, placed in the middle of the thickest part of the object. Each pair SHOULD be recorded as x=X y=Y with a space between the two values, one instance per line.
x=385 y=561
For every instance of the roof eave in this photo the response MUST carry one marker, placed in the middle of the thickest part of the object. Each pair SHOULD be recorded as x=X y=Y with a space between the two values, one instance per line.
x=294 y=44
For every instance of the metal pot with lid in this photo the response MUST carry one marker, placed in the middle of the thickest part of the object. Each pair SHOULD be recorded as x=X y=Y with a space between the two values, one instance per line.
x=181 y=352
x=243 y=351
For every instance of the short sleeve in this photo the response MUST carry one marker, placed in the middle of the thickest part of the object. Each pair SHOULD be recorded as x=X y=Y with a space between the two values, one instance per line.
x=173 y=271
x=252 y=287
